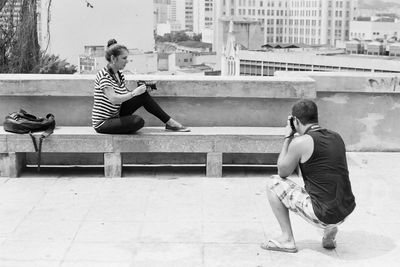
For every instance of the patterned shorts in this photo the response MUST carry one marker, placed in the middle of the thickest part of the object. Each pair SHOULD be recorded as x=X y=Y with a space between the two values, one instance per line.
x=296 y=199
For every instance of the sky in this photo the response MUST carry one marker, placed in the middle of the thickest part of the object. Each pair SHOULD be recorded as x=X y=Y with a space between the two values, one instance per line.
x=73 y=25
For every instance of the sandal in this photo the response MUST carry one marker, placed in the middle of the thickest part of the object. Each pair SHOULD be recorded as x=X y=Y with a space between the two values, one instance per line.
x=277 y=246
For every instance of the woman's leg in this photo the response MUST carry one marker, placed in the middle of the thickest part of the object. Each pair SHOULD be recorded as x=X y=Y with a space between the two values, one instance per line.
x=144 y=100
x=122 y=125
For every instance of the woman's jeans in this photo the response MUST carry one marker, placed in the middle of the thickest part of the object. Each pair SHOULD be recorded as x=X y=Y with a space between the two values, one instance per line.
x=127 y=122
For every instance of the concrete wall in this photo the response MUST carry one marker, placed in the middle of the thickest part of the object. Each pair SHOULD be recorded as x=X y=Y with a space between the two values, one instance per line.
x=363 y=107
x=195 y=101
x=367 y=118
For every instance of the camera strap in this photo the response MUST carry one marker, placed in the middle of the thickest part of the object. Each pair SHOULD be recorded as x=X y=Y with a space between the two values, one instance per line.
x=114 y=75
x=312 y=128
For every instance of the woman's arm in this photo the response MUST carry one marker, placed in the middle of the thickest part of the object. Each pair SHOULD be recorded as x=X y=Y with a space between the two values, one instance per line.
x=119 y=99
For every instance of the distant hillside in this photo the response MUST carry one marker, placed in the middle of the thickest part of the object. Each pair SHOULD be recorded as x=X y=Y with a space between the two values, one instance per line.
x=377 y=4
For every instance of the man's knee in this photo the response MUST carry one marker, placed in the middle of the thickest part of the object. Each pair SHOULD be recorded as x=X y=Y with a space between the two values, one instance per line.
x=273 y=180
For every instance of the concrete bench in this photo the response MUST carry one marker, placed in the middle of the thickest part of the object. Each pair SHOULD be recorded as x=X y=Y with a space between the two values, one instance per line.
x=214 y=141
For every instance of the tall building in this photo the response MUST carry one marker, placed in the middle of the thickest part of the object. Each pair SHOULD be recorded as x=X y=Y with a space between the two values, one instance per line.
x=12 y=9
x=182 y=14
x=162 y=11
x=297 y=21
x=189 y=15
x=203 y=15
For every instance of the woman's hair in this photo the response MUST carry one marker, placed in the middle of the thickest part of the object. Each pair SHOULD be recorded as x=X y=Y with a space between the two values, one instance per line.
x=114 y=49
x=306 y=111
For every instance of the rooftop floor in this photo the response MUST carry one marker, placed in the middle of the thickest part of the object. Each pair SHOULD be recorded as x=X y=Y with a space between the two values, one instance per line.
x=176 y=217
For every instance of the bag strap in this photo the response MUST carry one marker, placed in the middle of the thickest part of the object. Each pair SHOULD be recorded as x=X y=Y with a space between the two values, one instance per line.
x=38 y=150
x=49 y=130
x=45 y=134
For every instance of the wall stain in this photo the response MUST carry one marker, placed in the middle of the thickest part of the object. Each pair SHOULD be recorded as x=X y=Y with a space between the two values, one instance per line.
x=368 y=139
x=395 y=106
x=384 y=84
x=337 y=99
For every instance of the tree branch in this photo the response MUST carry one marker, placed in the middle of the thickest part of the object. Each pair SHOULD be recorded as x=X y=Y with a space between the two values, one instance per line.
x=2 y=4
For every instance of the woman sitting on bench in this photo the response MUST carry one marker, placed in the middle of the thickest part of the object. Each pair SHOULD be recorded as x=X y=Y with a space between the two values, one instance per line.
x=114 y=104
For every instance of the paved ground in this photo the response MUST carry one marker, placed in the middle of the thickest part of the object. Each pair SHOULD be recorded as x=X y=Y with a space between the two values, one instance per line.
x=175 y=217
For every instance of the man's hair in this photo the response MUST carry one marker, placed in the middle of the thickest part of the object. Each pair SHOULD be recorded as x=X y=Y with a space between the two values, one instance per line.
x=306 y=111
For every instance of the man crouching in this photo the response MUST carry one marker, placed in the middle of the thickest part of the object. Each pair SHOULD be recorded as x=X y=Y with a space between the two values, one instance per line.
x=326 y=199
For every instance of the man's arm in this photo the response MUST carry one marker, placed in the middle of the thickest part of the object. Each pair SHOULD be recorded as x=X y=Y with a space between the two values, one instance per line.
x=290 y=156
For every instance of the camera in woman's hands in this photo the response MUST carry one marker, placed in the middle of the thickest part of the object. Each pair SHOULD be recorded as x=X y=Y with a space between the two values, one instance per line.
x=149 y=84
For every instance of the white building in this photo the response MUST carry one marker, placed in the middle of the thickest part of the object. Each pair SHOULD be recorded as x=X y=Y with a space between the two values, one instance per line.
x=258 y=63
x=139 y=62
x=297 y=21
x=178 y=12
x=162 y=11
x=189 y=15
x=203 y=15
x=374 y=29
x=195 y=16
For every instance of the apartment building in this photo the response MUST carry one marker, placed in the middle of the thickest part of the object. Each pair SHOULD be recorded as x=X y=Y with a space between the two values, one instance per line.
x=372 y=28
x=203 y=15
x=191 y=15
x=162 y=11
x=312 y=22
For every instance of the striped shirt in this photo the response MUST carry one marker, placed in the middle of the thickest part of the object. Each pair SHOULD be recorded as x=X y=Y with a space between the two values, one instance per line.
x=103 y=109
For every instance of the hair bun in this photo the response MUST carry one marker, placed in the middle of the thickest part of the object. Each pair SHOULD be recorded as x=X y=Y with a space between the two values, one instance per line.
x=111 y=42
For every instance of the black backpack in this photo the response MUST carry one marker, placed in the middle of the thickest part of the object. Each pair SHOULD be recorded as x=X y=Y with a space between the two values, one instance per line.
x=22 y=122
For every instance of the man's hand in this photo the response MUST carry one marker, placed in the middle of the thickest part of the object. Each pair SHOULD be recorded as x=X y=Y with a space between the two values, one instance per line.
x=289 y=133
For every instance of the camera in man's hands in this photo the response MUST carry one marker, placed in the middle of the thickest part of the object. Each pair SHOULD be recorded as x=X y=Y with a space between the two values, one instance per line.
x=149 y=84
x=291 y=122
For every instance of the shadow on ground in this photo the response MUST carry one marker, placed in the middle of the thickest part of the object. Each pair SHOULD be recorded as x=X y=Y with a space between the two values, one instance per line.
x=354 y=245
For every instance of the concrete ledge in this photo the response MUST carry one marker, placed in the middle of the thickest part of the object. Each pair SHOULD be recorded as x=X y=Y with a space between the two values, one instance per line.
x=168 y=86
x=358 y=82
x=213 y=141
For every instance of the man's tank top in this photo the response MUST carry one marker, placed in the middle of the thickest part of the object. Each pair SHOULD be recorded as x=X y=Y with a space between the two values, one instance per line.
x=326 y=177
